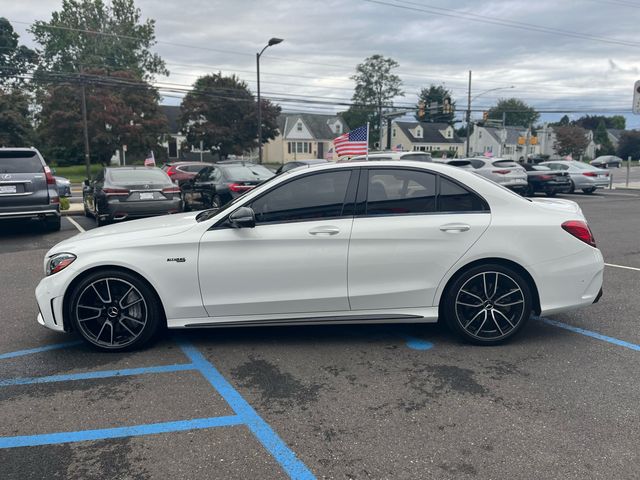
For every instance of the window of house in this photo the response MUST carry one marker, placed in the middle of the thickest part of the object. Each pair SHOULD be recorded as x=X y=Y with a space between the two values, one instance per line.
x=479 y=134
x=418 y=132
x=400 y=192
x=338 y=128
x=311 y=197
x=299 y=126
x=393 y=132
x=289 y=147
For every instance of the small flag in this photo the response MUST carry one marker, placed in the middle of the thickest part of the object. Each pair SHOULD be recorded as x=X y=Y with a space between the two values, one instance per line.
x=397 y=148
x=150 y=161
x=329 y=154
x=569 y=157
x=355 y=142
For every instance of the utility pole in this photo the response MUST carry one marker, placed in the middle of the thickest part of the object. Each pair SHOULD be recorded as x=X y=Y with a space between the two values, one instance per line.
x=85 y=126
x=272 y=41
x=469 y=114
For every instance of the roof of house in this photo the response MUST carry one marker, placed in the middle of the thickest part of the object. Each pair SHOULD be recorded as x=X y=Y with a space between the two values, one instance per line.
x=317 y=124
x=172 y=112
x=615 y=133
x=513 y=133
x=430 y=132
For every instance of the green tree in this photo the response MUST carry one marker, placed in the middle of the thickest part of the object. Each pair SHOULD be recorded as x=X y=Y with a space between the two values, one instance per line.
x=121 y=110
x=601 y=137
x=222 y=113
x=591 y=122
x=123 y=44
x=15 y=59
x=376 y=87
x=564 y=121
x=15 y=126
x=571 y=140
x=516 y=112
x=434 y=99
x=629 y=145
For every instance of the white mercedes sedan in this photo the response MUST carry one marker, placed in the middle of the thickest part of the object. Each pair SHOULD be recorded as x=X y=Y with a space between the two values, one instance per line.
x=339 y=243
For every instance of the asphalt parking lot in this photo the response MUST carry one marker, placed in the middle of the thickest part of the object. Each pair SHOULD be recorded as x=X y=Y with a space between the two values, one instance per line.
x=560 y=401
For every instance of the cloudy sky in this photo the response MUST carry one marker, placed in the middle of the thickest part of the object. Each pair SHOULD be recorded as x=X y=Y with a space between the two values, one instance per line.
x=578 y=56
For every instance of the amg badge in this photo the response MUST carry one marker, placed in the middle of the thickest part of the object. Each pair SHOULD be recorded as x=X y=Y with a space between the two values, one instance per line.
x=177 y=259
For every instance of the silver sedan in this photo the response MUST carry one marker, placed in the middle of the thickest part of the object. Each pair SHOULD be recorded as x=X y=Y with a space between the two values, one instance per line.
x=504 y=172
x=583 y=176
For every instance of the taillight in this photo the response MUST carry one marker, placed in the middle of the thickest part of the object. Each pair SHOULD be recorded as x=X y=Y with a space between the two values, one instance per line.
x=236 y=187
x=502 y=172
x=580 y=230
x=112 y=192
x=49 y=176
x=546 y=177
x=590 y=174
x=171 y=190
x=171 y=171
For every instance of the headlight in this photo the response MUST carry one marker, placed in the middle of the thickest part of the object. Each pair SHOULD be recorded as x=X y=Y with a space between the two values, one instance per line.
x=58 y=262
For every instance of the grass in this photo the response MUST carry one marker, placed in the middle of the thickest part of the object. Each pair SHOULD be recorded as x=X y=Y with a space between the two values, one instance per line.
x=76 y=173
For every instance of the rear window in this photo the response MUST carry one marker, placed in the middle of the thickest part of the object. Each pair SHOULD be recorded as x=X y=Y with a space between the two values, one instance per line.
x=417 y=157
x=20 y=162
x=126 y=175
x=245 y=173
x=505 y=164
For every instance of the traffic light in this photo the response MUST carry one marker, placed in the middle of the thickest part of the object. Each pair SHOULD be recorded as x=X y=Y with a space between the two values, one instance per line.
x=485 y=116
x=421 y=106
x=446 y=105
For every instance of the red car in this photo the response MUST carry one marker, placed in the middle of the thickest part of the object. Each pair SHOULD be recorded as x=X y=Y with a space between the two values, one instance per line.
x=180 y=172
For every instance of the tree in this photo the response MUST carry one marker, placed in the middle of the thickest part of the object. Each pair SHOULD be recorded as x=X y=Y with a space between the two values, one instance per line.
x=591 y=122
x=601 y=137
x=629 y=145
x=434 y=99
x=123 y=43
x=516 y=112
x=376 y=87
x=564 y=121
x=15 y=125
x=15 y=59
x=222 y=113
x=121 y=110
x=570 y=140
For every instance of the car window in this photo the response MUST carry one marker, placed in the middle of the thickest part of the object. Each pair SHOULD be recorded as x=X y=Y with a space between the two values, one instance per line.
x=310 y=197
x=247 y=173
x=394 y=192
x=20 y=162
x=504 y=163
x=455 y=198
x=477 y=163
x=138 y=175
x=193 y=168
x=540 y=168
x=203 y=174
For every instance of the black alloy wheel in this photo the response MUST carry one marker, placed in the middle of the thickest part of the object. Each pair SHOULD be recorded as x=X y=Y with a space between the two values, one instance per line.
x=114 y=311
x=488 y=304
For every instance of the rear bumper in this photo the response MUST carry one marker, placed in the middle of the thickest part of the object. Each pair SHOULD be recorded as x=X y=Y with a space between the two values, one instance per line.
x=122 y=210
x=30 y=211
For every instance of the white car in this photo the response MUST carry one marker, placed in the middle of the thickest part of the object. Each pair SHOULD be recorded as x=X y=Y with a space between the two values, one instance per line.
x=505 y=172
x=385 y=241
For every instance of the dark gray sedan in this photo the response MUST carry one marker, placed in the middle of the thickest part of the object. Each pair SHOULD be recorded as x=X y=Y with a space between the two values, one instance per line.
x=130 y=192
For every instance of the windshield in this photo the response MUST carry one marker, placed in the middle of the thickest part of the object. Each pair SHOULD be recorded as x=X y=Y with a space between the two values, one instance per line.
x=130 y=175
x=212 y=212
x=247 y=173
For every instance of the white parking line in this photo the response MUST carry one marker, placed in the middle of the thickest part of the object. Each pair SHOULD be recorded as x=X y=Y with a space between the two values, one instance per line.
x=622 y=266
x=76 y=224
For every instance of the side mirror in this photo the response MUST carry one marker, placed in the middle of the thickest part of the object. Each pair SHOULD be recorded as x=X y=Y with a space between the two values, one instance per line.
x=244 y=217
x=86 y=182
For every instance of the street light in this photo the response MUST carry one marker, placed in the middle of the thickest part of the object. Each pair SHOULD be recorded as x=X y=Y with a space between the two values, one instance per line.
x=469 y=100
x=272 y=41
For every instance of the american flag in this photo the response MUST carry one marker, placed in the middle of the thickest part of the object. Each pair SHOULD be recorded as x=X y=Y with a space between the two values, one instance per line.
x=354 y=142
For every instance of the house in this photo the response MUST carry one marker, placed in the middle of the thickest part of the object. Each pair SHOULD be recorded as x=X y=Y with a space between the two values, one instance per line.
x=547 y=140
x=303 y=136
x=513 y=143
x=424 y=137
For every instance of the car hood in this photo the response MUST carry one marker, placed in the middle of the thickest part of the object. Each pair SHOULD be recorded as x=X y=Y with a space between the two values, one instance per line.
x=558 y=204
x=128 y=232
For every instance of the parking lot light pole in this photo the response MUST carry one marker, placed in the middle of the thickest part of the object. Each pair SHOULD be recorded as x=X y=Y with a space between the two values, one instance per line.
x=272 y=41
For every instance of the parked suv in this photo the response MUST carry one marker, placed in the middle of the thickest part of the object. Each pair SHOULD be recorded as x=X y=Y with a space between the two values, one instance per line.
x=28 y=188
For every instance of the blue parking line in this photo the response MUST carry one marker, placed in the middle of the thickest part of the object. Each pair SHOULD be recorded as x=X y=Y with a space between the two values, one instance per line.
x=118 y=432
x=180 y=367
x=261 y=429
x=55 y=346
x=589 y=333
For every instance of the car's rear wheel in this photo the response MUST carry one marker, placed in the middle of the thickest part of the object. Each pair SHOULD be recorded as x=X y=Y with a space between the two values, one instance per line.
x=572 y=188
x=114 y=310
x=488 y=304
x=52 y=224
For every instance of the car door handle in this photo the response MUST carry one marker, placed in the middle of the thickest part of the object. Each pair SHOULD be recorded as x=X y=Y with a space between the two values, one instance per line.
x=455 y=227
x=324 y=230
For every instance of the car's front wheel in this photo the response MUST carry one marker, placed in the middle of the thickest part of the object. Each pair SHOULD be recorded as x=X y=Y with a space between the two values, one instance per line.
x=114 y=310
x=488 y=304
x=588 y=191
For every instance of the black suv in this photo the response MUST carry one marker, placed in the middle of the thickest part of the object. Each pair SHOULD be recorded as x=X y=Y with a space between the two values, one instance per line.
x=27 y=188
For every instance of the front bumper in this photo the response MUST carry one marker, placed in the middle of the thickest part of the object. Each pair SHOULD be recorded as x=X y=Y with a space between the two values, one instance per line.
x=50 y=296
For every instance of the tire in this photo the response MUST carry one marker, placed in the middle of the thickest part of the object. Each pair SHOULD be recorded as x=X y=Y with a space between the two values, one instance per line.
x=101 y=222
x=468 y=304
x=572 y=189
x=550 y=193
x=114 y=311
x=185 y=205
x=52 y=224
x=588 y=191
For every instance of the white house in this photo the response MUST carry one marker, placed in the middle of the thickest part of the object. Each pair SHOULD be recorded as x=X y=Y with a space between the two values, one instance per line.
x=424 y=137
x=547 y=139
x=513 y=143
